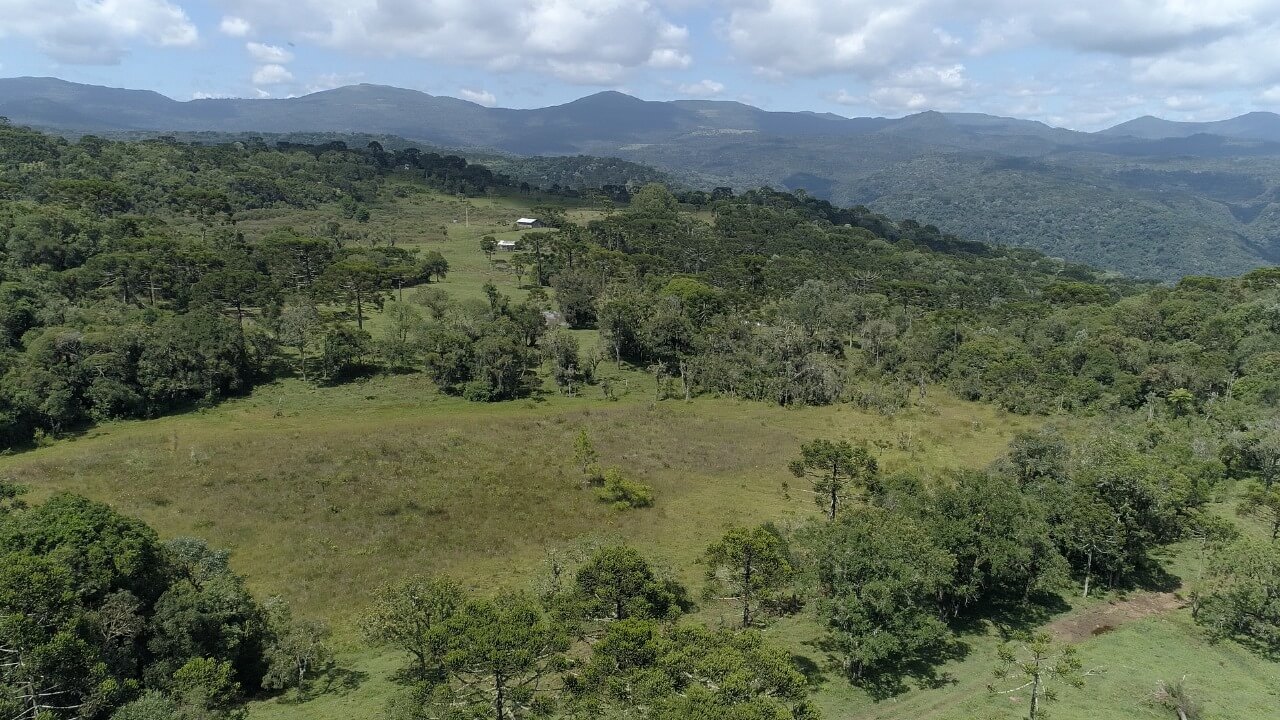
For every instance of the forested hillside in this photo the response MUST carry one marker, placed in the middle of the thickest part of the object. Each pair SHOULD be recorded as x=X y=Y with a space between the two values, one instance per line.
x=1148 y=199
x=678 y=454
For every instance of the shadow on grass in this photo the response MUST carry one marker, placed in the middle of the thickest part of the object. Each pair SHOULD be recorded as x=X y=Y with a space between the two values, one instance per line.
x=337 y=681
x=891 y=678
x=1011 y=619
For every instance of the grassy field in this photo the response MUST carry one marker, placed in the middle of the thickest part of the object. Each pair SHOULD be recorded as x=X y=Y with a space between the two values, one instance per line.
x=322 y=493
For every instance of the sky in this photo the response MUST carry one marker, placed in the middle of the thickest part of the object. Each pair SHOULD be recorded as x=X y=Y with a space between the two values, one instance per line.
x=1082 y=64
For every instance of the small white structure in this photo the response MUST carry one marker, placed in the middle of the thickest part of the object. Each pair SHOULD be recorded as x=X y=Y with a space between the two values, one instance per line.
x=508 y=246
x=528 y=223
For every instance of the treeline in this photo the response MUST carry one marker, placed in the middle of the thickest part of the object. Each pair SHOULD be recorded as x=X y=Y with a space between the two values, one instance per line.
x=99 y=618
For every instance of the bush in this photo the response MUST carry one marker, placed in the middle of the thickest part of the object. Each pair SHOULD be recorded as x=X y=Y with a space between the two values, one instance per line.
x=624 y=494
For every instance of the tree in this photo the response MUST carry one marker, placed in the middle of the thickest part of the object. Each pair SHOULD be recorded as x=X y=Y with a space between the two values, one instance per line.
x=207 y=687
x=1037 y=663
x=1039 y=455
x=298 y=649
x=402 y=335
x=751 y=564
x=236 y=287
x=1089 y=532
x=878 y=591
x=690 y=672
x=435 y=265
x=298 y=326
x=342 y=350
x=358 y=281
x=500 y=653
x=488 y=246
x=585 y=455
x=561 y=350
x=1263 y=503
x=1182 y=401
x=414 y=615
x=1242 y=600
x=617 y=583
x=834 y=469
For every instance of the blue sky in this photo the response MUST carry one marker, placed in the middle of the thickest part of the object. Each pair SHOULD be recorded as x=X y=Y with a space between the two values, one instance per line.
x=1085 y=64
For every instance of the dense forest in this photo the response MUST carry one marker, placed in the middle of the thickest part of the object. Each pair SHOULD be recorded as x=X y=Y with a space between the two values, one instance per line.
x=129 y=290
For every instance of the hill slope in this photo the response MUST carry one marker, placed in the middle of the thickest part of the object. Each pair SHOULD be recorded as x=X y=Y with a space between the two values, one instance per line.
x=1147 y=198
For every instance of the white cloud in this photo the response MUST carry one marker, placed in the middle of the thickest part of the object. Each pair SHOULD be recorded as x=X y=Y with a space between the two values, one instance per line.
x=234 y=26
x=702 y=88
x=581 y=41
x=670 y=59
x=270 y=54
x=272 y=75
x=209 y=96
x=809 y=37
x=924 y=87
x=481 y=97
x=1271 y=95
x=1171 y=42
x=95 y=33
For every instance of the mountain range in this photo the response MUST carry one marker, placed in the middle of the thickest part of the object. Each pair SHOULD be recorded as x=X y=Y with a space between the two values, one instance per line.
x=1148 y=197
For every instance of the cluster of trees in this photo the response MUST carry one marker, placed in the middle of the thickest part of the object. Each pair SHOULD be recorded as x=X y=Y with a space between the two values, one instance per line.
x=605 y=637
x=143 y=324
x=99 y=618
x=1046 y=517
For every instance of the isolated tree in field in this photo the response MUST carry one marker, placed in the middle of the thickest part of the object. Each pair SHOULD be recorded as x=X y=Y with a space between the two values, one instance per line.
x=585 y=455
x=1263 y=503
x=414 y=616
x=488 y=246
x=750 y=564
x=1035 y=665
x=836 y=470
x=299 y=327
x=616 y=583
x=501 y=652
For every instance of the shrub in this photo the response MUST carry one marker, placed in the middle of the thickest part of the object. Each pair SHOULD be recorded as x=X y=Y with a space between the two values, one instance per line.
x=624 y=494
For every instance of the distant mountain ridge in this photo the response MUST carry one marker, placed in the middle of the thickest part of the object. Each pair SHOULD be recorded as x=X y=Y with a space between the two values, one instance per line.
x=1148 y=197
x=1250 y=126
x=600 y=119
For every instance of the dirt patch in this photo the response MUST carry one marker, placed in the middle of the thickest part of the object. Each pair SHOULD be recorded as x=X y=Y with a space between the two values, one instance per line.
x=1102 y=619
